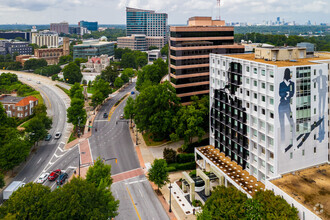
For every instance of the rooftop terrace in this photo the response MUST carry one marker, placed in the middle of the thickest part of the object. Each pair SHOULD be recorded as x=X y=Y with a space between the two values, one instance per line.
x=310 y=187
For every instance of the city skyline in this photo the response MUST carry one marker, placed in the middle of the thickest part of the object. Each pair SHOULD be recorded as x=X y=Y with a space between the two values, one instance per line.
x=113 y=12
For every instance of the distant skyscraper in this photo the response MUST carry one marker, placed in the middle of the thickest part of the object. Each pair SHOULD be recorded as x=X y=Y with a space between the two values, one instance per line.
x=91 y=26
x=59 y=28
x=147 y=22
x=278 y=19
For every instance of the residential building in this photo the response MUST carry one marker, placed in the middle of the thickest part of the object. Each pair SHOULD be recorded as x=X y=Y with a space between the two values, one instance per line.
x=91 y=26
x=147 y=22
x=93 y=48
x=60 y=28
x=12 y=47
x=15 y=34
x=20 y=107
x=46 y=38
x=190 y=47
x=269 y=118
x=96 y=64
x=78 y=30
x=139 y=42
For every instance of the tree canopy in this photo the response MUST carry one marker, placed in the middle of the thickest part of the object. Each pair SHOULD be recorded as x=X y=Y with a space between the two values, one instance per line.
x=158 y=173
x=72 y=73
x=110 y=73
x=33 y=64
x=99 y=173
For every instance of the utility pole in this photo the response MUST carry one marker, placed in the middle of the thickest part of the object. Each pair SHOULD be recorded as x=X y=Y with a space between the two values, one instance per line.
x=170 y=210
x=79 y=166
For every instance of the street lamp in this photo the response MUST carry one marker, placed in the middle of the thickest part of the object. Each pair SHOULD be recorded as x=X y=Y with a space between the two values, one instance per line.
x=170 y=210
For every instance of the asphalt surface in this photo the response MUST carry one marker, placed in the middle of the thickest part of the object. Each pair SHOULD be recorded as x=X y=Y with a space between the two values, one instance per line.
x=50 y=155
x=112 y=140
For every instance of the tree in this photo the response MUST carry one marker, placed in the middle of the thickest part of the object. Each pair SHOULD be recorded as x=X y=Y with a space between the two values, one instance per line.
x=33 y=64
x=37 y=129
x=129 y=72
x=155 y=107
x=151 y=74
x=103 y=87
x=2 y=180
x=40 y=109
x=118 y=82
x=97 y=98
x=129 y=109
x=164 y=50
x=110 y=73
x=44 y=47
x=78 y=61
x=76 y=91
x=169 y=155
x=142 y=60
x=76 y=112
x=158 y=173
x=152 y=48
x=128 y=60
x=124 y=77
x=65 y=59
x=81 y=199
x=28 y=202
x=72 y=73
x=99 y=172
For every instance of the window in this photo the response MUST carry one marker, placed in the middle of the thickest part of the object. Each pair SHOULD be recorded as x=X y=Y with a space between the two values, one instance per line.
x=314 y=111
x=271 y=141
x=314 y=98
x=255 y=108
x=255 y=71
x=271 y=115
x=271 y=88
x=247 y=93
x=248 y=69
x=255 y=133
x=263 y=163
x=263 y=72
x=314 y=150
x=271 y=155
x=247 y=81
x=271 y=74
x=271 y=169
x=263 y=138
x=263 y=98
x=255 y=83
x=263 y=150
x=271 y=101
x=255 y=95
x=263 y=111
x=263 y=85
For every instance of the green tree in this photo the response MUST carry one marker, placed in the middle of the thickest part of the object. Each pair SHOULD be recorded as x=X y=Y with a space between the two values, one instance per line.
x=33 y=64
x=97 y=98
x=129 y=72
x=129 y=109
x=2 y=180
x=155 y=107
x=118 y=82
x=37 y=129
x=78 y=61
x=28 y=202
x=124 y=77
x=76 y=112
x=99 y=173
x=152 y=48
x=81 y=199
x=44 y=47
x=164 y=50
x=103 y=86
x=151 y=74
x=142 y=60
x=128 y=60
x=158 y=173
x=110 y=73
x=72 y=73
x=76 y=91
x=65 y=59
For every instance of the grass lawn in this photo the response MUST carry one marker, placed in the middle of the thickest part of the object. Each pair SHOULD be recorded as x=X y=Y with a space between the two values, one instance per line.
x=64 y=90
x=72 y=138
x=26 y=124
x=39 y=97
x=91 y=90
x=150 y=142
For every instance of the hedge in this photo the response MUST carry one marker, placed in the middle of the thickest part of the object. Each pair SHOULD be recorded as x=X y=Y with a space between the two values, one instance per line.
x=184 y=158
x=170 y=169
x=181 y=166
x=191 y=147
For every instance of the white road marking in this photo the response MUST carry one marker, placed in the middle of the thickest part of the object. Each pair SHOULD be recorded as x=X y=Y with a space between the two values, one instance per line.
x=39 y=160
x=137 y=181
x=90 y=149
x=57 y=156
x=23 y=179
x=70 y=167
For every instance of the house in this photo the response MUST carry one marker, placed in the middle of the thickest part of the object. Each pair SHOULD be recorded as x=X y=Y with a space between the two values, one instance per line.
x=19 y=107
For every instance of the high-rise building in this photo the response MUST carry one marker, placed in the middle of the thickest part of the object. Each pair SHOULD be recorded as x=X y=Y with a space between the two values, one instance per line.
x=15 y=34
x=91 y=26
x=140 y=42
x=147 y=22
x=60 y=28
x=45 y=38
x=190 y=47
x=12 y=47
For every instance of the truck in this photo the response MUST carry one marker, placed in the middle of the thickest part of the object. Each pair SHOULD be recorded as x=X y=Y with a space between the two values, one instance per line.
x=12 y=188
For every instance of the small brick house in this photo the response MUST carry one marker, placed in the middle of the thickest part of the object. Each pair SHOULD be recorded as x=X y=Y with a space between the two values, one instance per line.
x=19 y=107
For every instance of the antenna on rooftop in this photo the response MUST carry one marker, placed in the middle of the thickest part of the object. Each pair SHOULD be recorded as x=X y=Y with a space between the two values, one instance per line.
x=219 y=7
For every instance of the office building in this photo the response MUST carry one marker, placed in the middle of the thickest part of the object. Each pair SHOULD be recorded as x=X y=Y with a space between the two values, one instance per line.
x=140 y=42
x=91 y=26
x=147 y=22
x=45 y=38
x=310 y=48
x=20 y=107
x=93 y=48
x=190 y=47
x=15 y=34
x=60 y=28
x=14 y=47
x=153 y=55
x=269 y=118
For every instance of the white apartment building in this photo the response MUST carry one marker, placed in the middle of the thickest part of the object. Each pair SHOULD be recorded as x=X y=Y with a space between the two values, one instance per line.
x=48 y=38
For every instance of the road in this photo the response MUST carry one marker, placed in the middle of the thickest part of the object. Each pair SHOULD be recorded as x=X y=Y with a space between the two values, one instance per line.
x=137 y=198
x=50 y=154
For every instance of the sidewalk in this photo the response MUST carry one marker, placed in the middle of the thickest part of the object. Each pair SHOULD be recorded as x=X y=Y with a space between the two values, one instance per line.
x=146 y=155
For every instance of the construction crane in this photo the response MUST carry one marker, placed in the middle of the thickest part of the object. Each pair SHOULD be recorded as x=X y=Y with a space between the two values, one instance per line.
x=219 y=6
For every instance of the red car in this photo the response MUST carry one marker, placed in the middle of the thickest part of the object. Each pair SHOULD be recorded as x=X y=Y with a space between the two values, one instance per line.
x=54 y=175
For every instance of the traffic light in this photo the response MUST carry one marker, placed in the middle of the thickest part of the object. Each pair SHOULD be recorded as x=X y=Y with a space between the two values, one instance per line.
x=116 y=160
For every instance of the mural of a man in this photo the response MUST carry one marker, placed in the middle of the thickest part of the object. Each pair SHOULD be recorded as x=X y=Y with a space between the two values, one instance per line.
x=322 y=81
x=286 y=92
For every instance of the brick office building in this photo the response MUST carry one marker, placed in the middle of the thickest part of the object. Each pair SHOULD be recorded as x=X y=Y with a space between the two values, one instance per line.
x=19 y=107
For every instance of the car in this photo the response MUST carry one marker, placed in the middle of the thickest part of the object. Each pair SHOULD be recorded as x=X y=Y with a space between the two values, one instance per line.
x=61 y=179
x=48 y=137
x=57 y=135
x=38 y=82
x=132 y=93
x=105 y=115
x=42 y=178
x=121 y=116
x=53 y=175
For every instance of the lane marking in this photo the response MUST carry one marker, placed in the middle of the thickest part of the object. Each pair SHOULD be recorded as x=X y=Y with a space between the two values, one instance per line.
x=133 y=203
x=23 y=179
x=39 y=160
x=90 y=150
x=137 y=181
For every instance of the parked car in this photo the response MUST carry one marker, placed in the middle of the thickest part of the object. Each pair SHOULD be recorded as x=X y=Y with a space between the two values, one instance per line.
x=42 y=178
x=105 y=115
x=48 y=137
x=132 y=93
x=57 y=135
x=121 y=116
x=61 y=179
x=53 y=175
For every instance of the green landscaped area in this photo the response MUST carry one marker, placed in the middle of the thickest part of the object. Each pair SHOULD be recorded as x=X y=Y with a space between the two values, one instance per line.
x=39 y=97
x=91 y=90
x=72 y=138
x=64 y=89
x=149 y=142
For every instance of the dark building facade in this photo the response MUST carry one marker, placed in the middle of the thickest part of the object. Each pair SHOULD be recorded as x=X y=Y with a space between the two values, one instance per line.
x=13 y=35
x=190 y=47
x=91 y=26
x=21 y=48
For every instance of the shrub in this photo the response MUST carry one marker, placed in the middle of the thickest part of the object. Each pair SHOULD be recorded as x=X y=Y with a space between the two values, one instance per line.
x=192 y=173
x=187 y=166
x=196 y=203
x=184 y=158
x=191 y=147
x=169 y=155
x=171 y=169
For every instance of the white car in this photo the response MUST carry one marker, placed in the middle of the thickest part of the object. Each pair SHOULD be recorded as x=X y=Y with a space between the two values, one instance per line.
x=57 y=135
x=42 y=178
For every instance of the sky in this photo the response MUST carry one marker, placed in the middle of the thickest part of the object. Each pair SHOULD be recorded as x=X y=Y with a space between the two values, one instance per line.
x=113 y=11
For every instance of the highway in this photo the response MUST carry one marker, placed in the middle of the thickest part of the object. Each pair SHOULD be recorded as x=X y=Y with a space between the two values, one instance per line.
x=49 y=155
x=137 y=198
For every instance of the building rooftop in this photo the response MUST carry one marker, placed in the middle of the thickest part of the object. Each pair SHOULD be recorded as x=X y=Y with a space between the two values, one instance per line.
x=93 y=43
x=10 y=99
x=297 y=62
x=26 y=100
x=310 y=187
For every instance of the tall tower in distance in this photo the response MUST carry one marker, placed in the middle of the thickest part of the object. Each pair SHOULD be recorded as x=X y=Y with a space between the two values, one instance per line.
x=218 y=9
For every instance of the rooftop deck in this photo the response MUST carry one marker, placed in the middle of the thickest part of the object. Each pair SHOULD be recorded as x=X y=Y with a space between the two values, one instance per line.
x=310 y=187
x=241 y=177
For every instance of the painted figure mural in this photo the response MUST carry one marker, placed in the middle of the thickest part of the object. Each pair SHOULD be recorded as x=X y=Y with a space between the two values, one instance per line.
x=286 y=92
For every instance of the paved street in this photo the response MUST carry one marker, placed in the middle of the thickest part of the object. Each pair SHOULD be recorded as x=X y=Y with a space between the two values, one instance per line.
x=137 y=198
